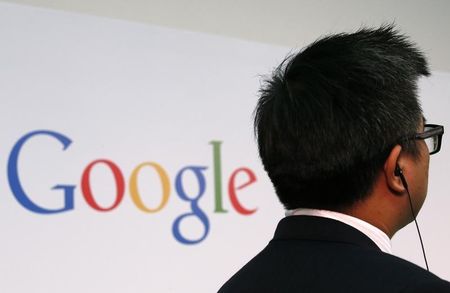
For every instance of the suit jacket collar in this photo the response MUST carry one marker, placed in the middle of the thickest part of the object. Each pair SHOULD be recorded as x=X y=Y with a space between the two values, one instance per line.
x=321 y=229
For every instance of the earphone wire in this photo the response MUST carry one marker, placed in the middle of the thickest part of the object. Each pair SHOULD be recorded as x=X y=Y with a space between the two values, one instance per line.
x=415 y=220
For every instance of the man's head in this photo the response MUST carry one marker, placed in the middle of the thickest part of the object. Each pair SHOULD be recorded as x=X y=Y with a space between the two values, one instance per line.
x=329 y=116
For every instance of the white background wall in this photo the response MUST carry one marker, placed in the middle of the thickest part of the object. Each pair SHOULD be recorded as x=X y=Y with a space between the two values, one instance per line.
x=131 y=93
x=291 y=23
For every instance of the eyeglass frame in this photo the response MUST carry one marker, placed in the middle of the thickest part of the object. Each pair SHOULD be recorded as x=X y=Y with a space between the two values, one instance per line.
x=435 y=130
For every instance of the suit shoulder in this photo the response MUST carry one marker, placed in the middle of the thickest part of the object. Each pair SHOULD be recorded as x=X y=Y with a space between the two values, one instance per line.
x=323 y=267
x=434 y=285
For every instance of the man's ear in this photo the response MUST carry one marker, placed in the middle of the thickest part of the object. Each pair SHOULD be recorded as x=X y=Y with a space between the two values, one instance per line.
x=391 y=172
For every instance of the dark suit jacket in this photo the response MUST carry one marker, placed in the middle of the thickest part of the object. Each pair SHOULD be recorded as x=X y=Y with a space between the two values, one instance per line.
x=313 y=254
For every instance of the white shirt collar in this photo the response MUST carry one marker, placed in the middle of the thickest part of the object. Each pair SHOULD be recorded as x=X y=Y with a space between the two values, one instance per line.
x=376 y=235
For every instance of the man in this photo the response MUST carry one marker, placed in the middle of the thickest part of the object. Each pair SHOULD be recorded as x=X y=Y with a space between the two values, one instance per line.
x=341 y=135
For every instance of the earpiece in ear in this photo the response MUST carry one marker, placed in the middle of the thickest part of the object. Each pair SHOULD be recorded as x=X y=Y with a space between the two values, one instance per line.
x=398 y=171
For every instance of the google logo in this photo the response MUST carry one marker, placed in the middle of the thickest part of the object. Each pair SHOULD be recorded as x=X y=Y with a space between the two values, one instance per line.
x=67 y=191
